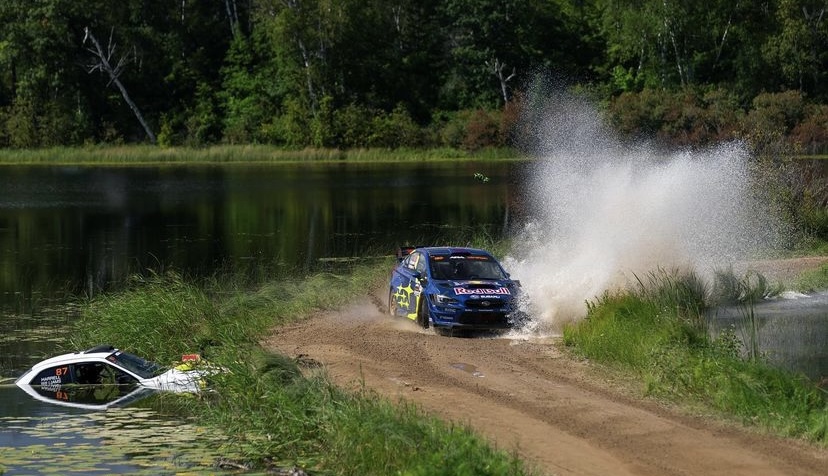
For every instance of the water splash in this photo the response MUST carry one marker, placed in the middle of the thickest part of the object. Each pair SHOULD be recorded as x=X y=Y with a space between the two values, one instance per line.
x=603 y=211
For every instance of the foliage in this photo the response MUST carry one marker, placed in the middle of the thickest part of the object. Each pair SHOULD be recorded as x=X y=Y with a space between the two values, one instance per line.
x=296 y=73
x=274 y=415
x=160 y=316
x=650 y=330
x=625 y=328
x=813 y=280
x=730 y=289
x=225 y=154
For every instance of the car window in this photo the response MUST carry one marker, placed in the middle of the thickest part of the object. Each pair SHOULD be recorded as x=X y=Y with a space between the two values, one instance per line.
x=420 y=265
x=463 y=267
x=440 y=268
x=133 y=363
x=484 y=270
x=54 y=377
x=93 y=373
x=413 y=261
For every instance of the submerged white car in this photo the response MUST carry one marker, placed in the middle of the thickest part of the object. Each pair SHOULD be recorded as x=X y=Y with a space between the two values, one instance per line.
x=105 y=367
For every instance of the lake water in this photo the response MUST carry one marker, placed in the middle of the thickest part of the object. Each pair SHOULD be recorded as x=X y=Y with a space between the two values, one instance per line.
x=70 y=231
x=42 y=438
x=791 y=330
x=74 y=231
x=79 y=230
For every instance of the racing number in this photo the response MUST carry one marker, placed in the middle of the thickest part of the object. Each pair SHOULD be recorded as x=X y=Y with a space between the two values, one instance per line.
x=61 y=371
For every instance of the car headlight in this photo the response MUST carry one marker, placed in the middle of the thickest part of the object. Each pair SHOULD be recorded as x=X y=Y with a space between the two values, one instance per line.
x=442 y=300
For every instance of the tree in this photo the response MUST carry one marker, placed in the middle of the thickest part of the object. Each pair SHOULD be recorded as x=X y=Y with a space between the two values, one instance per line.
x=680 y=43
x=41 y=98
x=103 y=63
x=800 y=46
x=480 y=34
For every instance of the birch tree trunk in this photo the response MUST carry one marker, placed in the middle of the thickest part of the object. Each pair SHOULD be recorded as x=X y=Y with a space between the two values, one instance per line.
x=103 y=64
x=497 y=67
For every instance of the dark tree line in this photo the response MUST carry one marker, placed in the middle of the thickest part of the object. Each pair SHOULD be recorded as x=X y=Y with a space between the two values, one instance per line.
x=357 y=73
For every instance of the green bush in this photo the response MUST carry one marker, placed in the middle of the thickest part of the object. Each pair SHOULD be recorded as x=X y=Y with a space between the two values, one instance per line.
x=352 y=125
x=482 y=130
x=395 y=130
x=811 y=134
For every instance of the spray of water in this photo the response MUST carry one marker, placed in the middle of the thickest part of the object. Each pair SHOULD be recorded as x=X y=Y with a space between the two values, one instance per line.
x=602 y=211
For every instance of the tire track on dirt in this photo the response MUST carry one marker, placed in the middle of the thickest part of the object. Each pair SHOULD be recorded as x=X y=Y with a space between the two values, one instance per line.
x=526 y=396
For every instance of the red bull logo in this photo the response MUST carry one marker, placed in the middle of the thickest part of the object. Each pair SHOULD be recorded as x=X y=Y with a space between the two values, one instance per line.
x=501 y=290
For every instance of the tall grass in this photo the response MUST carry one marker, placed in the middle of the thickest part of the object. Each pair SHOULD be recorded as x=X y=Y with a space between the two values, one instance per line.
x=228 y=154
x=273 y=414
x=744 y=293
x=161 y=316
x=291 y=420
x=658 y=331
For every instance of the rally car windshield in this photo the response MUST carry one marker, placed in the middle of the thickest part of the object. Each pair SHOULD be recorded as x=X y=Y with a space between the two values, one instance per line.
x=461 y=268
x=141 y=367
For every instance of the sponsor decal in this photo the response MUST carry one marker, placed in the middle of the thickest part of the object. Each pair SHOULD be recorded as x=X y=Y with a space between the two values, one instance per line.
x=498 y=291
x=50 y=383
x=403 y=295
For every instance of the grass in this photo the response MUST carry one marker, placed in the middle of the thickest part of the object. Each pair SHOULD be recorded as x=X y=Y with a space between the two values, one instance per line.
x=657 y=332
x=230 y=154
x=813 y=280
x=275 y=416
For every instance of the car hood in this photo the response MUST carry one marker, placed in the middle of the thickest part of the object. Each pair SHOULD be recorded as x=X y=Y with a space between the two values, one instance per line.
x=180 y=381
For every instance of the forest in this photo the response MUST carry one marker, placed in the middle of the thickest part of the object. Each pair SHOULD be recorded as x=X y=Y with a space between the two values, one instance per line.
x=406 y=73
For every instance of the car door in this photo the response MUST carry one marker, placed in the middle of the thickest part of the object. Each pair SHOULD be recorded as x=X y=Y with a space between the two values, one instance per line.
x=406 y=284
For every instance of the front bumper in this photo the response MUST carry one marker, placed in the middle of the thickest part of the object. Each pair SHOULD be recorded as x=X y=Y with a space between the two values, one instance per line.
x=465 y=318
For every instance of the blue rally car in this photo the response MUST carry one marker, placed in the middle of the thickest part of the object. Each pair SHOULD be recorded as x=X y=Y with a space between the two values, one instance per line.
x=453 y=289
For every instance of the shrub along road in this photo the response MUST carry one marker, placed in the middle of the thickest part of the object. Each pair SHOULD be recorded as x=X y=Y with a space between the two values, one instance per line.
x=526 y=395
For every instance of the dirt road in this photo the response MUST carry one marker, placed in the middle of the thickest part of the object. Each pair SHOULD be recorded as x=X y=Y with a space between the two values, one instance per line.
x=525 y=395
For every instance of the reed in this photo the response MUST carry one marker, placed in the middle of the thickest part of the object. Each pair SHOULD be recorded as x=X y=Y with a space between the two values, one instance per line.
x=229 y=154
x=626 y=327
x=278 y=418
x=657 y=332
x=274 y=415
x=744 y=292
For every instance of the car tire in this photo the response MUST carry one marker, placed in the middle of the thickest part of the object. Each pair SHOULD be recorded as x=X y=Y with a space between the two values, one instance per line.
x=392 y=303
x=422 y=312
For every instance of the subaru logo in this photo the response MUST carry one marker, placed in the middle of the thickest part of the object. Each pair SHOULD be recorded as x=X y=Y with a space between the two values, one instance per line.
x=485 y=303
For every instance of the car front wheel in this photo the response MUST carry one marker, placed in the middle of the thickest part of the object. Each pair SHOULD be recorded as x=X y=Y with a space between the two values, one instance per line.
x=422 y=312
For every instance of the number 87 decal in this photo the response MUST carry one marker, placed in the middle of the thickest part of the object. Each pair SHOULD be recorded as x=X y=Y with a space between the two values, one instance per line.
x=61 y=371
